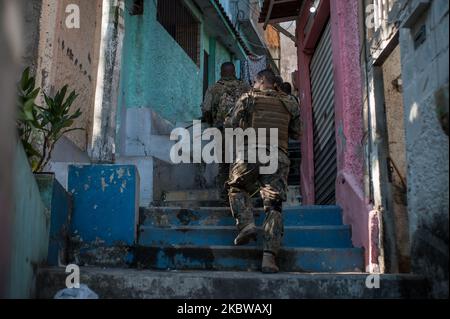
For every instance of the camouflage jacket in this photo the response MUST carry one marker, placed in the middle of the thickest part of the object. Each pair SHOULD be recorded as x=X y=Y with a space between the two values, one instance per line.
x=221 y=98
x=240 y=115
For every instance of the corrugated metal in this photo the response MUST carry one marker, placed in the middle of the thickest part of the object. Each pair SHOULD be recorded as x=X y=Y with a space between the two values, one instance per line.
x=322 y=89
x=295 y=158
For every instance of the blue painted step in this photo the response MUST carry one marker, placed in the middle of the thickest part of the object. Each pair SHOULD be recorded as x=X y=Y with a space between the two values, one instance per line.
x=294 y=236
x=230 y=258
x=302 y=216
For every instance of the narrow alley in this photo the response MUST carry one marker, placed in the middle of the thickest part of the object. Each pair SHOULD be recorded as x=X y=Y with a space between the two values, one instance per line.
x=107 y=91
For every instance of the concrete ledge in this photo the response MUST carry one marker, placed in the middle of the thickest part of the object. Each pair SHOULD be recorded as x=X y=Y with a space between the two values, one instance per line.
x=136 y=284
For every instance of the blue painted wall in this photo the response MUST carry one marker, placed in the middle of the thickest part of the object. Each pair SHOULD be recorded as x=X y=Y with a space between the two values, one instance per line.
x=59 y=203
x=30 y=232
x=105 y=203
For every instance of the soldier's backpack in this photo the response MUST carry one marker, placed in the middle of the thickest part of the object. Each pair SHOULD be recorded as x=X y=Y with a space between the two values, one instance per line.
x=231 y=92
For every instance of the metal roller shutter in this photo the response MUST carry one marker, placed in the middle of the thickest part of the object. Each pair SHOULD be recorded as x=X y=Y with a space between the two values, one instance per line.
x=322 y=90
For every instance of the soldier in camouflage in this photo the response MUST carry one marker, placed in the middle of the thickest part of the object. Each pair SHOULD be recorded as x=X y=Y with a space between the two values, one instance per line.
x=286 y=87
x=263 y=107
x=219 y=100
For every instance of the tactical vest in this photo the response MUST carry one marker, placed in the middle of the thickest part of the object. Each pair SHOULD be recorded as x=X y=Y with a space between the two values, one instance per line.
x=270 y=112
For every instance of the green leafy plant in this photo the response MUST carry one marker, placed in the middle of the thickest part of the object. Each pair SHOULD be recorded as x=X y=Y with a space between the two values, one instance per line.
x=45 y=124
x=28 y=121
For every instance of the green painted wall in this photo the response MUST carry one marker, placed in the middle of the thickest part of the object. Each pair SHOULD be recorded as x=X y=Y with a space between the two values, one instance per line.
x=212 y=61
x=30 y=232
x=219 y=54
x=156 y=72
x=222 y=55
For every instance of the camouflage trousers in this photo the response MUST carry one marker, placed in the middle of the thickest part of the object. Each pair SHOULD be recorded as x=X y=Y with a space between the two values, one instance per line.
x=222 y=177
x=243 y=182
x=224 y=170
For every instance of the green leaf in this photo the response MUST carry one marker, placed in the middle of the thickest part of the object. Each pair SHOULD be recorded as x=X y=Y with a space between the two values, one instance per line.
x=76 y=115
x=48 y=101
x=60 y=96
x=33 y=95
x=28 y=110
x=30 y=150
x=68 y=103
x=34 y=165
x=25 y=77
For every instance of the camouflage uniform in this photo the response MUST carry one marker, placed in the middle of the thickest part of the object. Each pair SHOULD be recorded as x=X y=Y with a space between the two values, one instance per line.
x=273 y=187
x=219 y=100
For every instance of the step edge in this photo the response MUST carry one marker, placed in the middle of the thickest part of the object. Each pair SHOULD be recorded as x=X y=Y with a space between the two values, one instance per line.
x=212 y=227
x=251 y=248
x=231 y=274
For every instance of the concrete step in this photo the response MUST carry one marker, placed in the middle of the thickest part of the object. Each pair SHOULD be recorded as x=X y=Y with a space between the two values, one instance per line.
x=193 y=204
x=146 y=284
x=294 y=236
x=196 y=198
x=233 y=258
x=216 y=216
x=192 y=195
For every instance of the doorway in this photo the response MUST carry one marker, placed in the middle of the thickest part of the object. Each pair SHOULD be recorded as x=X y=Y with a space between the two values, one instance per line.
x=396 y=170
x=205 y=72
x=322 y=92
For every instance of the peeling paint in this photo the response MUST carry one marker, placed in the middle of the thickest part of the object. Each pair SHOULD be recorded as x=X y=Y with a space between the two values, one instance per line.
x=124 y=186
x=120 y=172
x=105 y=210
x=104 y=185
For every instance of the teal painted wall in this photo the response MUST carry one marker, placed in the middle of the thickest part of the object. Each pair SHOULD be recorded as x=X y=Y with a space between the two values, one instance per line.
x=222 y=55
x=30 y=232
x=218 y=54
x=156 y=72
x=212 y=61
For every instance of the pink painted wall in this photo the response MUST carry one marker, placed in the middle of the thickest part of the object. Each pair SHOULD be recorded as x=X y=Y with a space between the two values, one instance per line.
x=348 y=116
x=307 y=164
x=348 y=120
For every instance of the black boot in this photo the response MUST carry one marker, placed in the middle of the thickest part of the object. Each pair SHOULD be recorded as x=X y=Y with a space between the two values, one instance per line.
x=269 y=265
x=247 y=234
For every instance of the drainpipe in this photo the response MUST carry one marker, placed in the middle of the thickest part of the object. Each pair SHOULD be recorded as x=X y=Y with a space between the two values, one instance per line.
x=376 y=253
x=102 y=146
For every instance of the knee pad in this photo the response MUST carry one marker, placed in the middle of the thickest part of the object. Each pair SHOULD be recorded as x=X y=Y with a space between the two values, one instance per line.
x=271 y=204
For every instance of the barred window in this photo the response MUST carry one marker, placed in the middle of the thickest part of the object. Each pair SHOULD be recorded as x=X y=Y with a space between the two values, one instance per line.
x=138 y=8
x=180 y=23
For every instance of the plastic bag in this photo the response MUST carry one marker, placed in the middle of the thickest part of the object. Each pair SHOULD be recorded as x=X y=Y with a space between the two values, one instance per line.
x=76 y=293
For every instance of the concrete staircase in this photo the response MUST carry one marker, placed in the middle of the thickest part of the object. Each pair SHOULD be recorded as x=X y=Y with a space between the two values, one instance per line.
x=202 y=239
x=186 y=252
